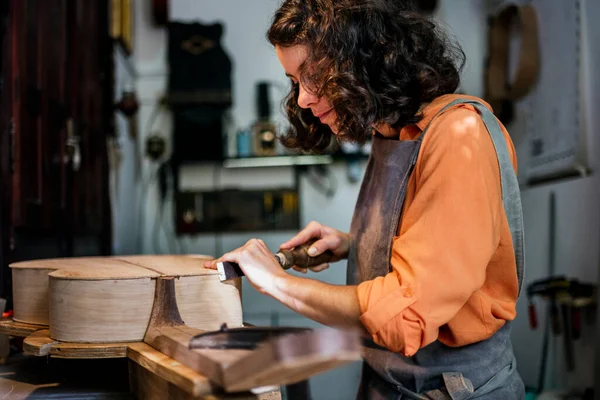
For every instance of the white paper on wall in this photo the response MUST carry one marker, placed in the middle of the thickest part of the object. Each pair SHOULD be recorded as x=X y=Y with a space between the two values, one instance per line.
x=553 y=134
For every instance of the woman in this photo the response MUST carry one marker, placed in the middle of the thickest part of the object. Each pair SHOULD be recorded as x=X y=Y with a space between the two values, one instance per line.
x=435 y=249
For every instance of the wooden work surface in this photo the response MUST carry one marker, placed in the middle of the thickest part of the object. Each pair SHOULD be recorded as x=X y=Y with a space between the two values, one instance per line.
x=153 y=372
x=28 y=378
x=152 y=375
x=19 y=329
x=128 y=371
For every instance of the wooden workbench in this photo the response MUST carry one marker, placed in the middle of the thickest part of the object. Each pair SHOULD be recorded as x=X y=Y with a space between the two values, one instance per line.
x=57 y=370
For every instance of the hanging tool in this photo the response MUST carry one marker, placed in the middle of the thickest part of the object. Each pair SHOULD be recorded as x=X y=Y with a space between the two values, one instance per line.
x=297 y=256
x=568 y=295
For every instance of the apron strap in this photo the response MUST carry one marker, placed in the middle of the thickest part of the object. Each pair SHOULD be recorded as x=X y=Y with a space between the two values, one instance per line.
x=511 y=194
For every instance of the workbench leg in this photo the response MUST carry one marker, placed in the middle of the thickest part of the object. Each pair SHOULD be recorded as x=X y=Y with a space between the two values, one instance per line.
x=298 y=391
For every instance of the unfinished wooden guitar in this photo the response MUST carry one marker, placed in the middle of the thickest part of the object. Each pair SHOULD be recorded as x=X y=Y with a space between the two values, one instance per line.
x=110 y=299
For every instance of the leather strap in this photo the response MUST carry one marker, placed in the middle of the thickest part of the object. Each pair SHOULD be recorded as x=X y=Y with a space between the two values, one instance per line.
x=499 y=91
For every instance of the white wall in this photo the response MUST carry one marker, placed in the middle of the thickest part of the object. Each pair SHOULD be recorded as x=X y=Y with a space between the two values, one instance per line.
x=125 y=166
x=577 y=201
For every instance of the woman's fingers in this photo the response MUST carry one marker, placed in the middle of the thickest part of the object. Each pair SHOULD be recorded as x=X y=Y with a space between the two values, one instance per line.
x=232 y=256
x=330 y=242
x=316 y=268
x=319 y=268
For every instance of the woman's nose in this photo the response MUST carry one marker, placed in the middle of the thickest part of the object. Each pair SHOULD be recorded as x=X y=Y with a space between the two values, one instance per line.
x=306 y=98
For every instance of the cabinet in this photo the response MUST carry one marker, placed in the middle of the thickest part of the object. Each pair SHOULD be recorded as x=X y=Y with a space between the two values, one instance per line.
x=56 y=112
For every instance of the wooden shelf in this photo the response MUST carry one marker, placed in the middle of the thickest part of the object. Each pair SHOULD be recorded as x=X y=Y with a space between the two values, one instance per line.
x=277 y=161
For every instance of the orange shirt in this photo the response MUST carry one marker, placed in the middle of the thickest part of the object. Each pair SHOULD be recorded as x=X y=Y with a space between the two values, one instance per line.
x=453 y=274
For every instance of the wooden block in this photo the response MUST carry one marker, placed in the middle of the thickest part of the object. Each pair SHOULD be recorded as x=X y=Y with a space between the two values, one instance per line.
x=284 y=360
x=170 y=370
x=41 y=344
x=89 y=350
x=38 y=343
x=292 y=358
x=19 y=329
x=147 y=385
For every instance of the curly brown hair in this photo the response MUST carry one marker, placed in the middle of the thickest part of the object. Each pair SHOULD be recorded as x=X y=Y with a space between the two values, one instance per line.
x=376 y=61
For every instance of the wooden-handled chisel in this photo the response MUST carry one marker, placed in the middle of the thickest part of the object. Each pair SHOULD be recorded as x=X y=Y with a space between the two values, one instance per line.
x=287 y=258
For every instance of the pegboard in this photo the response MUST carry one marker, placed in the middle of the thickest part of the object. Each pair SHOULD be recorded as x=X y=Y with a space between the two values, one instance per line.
x=555 y=143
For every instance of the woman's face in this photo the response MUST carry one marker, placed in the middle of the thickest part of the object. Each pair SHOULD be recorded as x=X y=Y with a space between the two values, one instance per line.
x=291 y=58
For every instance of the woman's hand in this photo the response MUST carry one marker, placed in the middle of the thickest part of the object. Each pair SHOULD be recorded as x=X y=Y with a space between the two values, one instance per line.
x=258 y=263
x=326 y=239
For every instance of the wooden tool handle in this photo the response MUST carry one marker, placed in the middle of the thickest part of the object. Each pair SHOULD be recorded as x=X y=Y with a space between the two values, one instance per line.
x=286 y=258
x=300 y=257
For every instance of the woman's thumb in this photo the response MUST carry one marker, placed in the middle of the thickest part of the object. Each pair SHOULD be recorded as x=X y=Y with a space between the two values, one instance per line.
x=318 y=247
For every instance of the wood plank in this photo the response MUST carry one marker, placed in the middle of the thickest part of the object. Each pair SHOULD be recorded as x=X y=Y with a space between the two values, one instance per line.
x=147 y=385
x=41 y=344
x=169 y=369
x=293 y=358
x=168 y=334
x=38 y=343
x=284 y=360
x=19 y=329
x=89 y=350
x=174 y=343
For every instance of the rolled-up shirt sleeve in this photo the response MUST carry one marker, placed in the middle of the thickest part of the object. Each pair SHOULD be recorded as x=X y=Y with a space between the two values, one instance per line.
x=449 y=232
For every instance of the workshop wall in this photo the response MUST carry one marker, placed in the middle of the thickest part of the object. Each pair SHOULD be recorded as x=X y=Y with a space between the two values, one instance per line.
x=578 y=214
x=577 y=224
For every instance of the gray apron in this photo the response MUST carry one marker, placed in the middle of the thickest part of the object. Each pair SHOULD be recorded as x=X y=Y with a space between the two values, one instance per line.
x=486 y=369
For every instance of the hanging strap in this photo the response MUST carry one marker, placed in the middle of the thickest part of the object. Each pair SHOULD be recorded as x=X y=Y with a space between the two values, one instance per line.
x=500 y=91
